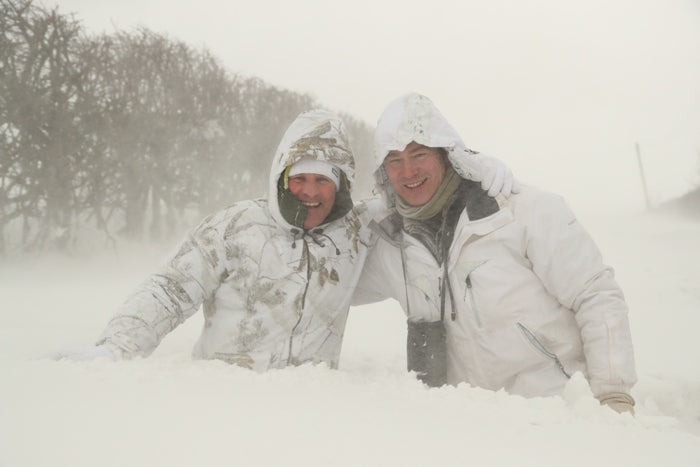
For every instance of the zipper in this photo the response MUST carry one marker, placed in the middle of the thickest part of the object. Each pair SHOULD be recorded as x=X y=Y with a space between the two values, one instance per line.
x=303 y=299
x=470 y=292
x=541 y=348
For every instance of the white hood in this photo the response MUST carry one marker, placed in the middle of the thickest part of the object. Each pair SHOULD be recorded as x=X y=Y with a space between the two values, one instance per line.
x=413 y=117
x=316 y=134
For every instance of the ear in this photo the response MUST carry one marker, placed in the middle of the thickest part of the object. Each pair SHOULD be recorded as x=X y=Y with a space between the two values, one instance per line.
x=444 y=158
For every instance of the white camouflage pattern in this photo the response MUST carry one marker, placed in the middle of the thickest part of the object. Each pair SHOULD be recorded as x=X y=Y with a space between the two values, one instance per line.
x=272 y=294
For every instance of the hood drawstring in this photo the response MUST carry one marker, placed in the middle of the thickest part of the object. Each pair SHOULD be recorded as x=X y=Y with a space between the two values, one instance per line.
x=314 y=234
x=319 y=232
x=296 y=235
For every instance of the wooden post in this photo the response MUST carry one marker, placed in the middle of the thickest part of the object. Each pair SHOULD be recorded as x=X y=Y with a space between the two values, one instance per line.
x=641 y=174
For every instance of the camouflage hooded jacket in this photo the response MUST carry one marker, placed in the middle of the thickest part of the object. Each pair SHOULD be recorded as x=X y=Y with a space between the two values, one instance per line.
x=273 y=294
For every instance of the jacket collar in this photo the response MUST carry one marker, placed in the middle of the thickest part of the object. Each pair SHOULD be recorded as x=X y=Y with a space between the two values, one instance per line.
x=480 y=216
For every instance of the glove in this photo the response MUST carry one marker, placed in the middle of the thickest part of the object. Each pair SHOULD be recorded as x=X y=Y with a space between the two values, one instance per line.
x=79 y=354
x=493 y=174
x=618 y=401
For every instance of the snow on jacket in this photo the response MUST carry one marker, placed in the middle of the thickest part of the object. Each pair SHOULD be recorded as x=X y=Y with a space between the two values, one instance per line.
x=532 y=300
x=272 y=294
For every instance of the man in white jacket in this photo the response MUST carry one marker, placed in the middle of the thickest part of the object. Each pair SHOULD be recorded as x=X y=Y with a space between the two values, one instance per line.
x=515 y=287
x=275 y=276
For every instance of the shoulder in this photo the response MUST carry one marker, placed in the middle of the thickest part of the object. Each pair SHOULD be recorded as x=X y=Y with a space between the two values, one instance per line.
x=369 y=208
x=531 y=200
x=541 y=212
x=240 y=215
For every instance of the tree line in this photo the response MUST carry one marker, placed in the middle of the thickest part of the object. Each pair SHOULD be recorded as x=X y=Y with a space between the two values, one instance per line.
x=130 y=134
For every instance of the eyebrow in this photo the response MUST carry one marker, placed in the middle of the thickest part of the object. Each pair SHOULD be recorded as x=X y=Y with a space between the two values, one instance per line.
x=419 y=148
x=396 y=153
x=310 y=175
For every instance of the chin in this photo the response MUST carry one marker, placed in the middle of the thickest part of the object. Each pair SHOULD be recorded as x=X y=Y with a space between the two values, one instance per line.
x=415 y=200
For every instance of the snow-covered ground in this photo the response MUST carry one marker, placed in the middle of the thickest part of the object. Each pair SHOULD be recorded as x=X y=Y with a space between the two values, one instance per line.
x=172 y=411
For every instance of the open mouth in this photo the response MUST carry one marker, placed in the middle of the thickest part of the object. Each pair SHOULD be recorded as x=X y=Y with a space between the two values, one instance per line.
x=310 y=205
x=414 y=185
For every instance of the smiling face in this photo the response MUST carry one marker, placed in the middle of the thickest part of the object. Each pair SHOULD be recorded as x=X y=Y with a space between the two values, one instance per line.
x=317 y=193
x=415 y=173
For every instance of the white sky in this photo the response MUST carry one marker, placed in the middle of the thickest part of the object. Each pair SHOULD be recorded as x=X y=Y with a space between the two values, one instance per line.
x=559 y=90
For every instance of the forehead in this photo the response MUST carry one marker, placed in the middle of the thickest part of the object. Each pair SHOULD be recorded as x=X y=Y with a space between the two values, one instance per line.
x=311 y=176
x=411 y=148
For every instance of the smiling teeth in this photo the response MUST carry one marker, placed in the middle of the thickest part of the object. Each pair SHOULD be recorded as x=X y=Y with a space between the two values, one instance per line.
x=311 y=205
x=414 y=185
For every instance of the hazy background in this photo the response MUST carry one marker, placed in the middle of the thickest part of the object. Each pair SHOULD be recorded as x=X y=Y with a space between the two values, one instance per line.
x=559 y=90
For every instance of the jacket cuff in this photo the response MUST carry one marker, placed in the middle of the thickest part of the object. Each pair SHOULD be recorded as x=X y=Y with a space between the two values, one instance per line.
x=118 y=352
x=600 y=388
x=616 y=397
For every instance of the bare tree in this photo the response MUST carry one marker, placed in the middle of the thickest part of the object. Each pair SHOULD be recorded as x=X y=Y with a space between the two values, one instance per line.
x=39 y=136
x=126 y=132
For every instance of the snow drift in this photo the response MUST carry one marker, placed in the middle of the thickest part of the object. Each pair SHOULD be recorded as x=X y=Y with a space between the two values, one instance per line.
x=171 y=410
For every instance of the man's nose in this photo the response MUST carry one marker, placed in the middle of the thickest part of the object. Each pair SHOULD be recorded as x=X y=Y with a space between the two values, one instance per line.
x=409 y=169
x=310 y=189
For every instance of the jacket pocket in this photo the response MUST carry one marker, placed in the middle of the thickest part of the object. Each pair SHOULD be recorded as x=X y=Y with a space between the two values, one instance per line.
x=532 y=339
x=469 y=292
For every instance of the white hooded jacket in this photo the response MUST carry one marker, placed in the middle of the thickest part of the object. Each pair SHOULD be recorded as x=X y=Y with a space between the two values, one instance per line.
x=529 y=300
x=273 y=294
